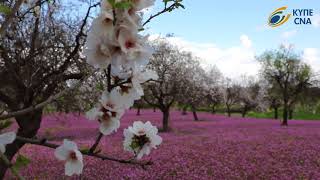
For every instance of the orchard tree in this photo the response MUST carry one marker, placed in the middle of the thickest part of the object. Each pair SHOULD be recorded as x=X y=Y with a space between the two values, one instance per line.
x=194 y=86
x=251 y=94
x=170 y=65
x=273 y=98
x=231 y=94
x=139 y=104
x=284 y=68
x=213 y=94
x=41 y=50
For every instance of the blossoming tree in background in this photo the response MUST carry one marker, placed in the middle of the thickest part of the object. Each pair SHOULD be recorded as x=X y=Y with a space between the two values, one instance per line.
x=231 y=94
x=171 y=67
x=195 y=87
x=39 y=65
x=251 y=95
x=285 y=70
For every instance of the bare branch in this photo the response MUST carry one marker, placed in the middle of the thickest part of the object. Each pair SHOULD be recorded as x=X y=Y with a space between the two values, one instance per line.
x=165 y=9
x=40 y=105
x=95 y=145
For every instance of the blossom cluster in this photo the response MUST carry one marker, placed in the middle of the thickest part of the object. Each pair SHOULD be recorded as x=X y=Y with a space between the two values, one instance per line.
x=114 y=43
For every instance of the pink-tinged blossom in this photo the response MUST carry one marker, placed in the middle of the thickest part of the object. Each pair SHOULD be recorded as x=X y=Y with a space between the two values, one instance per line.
x=140 y=138
x=69 y=153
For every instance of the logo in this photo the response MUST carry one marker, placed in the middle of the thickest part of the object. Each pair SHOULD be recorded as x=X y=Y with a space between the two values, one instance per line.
x=299 y=16
x=277 y=17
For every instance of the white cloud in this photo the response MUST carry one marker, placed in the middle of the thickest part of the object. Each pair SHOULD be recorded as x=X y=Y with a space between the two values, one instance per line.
x=245 y=41
x=316 y=20
x=312 y=57
x=263 y=27
x=232 y=62
x=288 y=34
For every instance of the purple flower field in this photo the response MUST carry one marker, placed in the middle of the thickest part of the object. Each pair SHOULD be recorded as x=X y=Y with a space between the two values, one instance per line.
x=215 y=148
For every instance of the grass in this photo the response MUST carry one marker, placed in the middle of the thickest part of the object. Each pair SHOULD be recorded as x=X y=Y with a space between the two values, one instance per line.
x=298 y=114
x=302 y=115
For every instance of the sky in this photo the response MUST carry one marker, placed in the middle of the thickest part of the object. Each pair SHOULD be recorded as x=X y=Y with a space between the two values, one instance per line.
x=230 y=34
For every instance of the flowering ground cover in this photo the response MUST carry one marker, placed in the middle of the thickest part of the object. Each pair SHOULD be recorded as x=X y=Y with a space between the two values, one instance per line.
x=217 y=147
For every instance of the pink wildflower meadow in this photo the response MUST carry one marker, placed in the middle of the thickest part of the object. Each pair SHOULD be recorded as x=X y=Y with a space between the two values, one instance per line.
x=215 y=148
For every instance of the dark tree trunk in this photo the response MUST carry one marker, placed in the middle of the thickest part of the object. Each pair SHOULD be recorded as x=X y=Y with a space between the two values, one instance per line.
x=275 y=112
x=243 y=114
x=165 y=119
x=285 y=115
x=229 y=111
x=184 y=110
x=154 y=109
x=194 y=112
x=290 y=114
x=29 y=125
x=138 y=111
x=213 y=109
x=244 y=111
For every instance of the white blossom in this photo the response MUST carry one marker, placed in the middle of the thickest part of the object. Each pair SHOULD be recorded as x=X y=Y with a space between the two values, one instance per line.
x=142 y=4
x=112 y=101
x=109 y=121
x=69 y=153
x=6 y=138
x=94 y=114
x=141 y=138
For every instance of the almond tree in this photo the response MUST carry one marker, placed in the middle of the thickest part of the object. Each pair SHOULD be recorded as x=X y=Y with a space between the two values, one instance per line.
x=272 y=98
x=213 y=92
x=284 y=68
x=251 y=95
x=231 y=94
x=194 y=87
x=170 y=65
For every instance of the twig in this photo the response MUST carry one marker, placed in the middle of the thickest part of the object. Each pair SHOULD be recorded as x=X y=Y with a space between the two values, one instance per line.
x=95 y=145
x=109 y=86
x=9 y=165
x=43 y=142
x=165 y=9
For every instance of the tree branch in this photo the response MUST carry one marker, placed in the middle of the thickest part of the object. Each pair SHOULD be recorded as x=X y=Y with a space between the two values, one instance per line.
x=38 y=106
x=43 y=142
x=95 y=145
x=165 y=9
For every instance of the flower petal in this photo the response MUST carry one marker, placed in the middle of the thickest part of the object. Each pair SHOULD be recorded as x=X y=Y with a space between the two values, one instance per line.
x=2 y=148
x=61 y=153
x=7 y=138
x=69 y=145
x=73 y=167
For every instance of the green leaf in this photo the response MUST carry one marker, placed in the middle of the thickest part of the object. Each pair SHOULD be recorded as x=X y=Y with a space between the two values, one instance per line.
x=112 y=2
x=4 y=9
x=5 y=124
x=141 y=29
x=21 y=161
x=180 y=5
x=123 y=5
